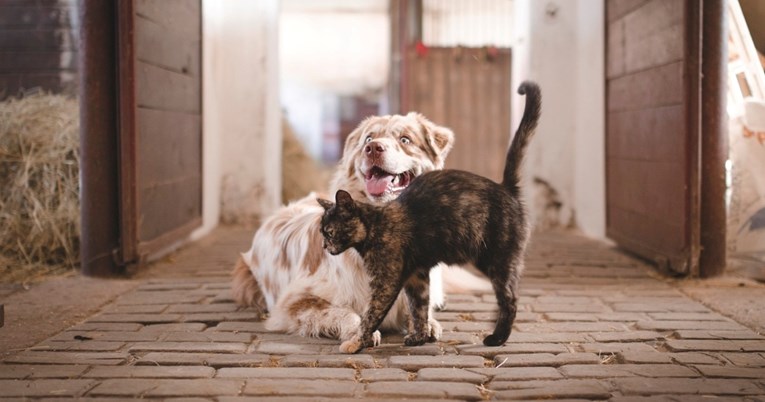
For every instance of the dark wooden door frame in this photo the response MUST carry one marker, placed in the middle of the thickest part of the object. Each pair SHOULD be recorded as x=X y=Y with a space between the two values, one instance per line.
x=99 y=178
x=694 y=49
x=129 y=253
x=714 y=138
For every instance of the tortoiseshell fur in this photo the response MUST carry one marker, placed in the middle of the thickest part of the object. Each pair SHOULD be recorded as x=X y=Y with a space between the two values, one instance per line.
x=447 y=216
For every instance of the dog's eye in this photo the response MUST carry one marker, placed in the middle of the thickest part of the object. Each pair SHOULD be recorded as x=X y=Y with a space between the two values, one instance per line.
x=369 y=138
x=405 y=140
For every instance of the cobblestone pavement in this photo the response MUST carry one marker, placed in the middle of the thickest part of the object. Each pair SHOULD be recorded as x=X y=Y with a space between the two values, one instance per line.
x=593 y=325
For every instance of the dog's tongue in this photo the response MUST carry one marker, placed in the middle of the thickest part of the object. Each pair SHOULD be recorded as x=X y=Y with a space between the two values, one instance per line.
x=376 y=185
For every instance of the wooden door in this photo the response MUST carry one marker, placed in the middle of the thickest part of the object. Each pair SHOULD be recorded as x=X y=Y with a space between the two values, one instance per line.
x=653 y=130
x=160 y=123
x=467 y=90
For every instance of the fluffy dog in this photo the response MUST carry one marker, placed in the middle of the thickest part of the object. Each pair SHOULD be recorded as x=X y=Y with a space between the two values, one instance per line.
x=311 y=292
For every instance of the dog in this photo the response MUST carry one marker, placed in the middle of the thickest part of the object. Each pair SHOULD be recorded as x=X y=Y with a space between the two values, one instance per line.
x=306 y=290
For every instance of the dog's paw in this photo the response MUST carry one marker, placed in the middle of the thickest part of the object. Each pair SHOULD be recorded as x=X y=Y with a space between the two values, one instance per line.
x=352 y=345
x=376 y=338
x=434 y=330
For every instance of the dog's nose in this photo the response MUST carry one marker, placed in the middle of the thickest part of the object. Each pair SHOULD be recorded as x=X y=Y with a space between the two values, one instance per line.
x=374 y=149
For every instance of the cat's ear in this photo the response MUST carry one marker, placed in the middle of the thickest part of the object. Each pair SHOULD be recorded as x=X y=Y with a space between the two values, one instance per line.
x=326 y=204
x=344 y=200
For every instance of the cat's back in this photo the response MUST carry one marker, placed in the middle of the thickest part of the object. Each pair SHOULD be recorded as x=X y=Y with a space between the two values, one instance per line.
x=453 y=192
x=441 y=186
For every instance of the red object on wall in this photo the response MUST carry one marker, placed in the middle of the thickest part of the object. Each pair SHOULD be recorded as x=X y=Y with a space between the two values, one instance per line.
x=421 y=49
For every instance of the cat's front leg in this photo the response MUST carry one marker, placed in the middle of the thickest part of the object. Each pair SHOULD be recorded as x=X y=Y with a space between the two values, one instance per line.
x=385 y=286
x=355 y=344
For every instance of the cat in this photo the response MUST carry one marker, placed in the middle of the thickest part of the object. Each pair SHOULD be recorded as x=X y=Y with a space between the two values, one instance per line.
x=446 y=216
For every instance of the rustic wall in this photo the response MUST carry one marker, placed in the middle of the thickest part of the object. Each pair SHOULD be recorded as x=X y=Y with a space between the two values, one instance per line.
x=242 y=129
x=38 y=47
x=559 y=43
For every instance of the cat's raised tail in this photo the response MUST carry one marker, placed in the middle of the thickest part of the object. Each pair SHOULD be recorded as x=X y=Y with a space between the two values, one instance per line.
x=511 y=176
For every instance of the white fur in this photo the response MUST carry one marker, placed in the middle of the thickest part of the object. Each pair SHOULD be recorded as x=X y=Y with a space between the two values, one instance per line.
x=340 y=280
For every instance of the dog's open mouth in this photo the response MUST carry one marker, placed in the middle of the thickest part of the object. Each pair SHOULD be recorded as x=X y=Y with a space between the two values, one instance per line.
x=380 y=182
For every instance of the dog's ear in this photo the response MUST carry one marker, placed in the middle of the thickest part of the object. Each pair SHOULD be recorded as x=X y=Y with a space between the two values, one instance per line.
x=344 y=200
x=326 y=204
x=440 y=139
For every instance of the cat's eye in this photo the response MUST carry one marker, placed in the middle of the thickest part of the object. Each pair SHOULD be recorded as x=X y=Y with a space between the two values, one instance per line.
x=328 y=234
x=368 y=139
x=405 y=140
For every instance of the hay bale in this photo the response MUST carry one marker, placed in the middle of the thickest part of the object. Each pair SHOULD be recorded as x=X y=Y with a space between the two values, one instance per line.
x=301 y=174
x=39 y=178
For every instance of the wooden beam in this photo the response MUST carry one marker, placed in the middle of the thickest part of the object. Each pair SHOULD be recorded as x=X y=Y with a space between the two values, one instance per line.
x=714 y=138
x=98 y=138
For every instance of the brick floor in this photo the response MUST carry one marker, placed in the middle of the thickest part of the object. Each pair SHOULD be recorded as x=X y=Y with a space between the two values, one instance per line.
x=593 y=324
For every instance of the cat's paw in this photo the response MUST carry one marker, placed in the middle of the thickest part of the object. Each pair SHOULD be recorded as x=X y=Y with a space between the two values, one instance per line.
x=352 y=345
x=434 y=330
x=494 y=340
x=376 y=338
x=415 y=340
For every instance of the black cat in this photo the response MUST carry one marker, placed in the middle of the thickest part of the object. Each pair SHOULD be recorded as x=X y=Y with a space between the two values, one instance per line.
x=447 y=216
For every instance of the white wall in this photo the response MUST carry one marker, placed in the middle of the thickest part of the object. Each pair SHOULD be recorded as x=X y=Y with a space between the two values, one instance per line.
x=329 y=49
x=241 y=127
x=560 y=44
x=339 y=51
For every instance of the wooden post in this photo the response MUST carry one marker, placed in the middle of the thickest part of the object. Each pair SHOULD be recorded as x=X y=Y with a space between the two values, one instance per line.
x=98 y=137
x=714 y=138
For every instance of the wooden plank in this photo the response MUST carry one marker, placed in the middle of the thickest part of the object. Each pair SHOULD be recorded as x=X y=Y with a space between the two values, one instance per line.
x=439 y=74
x=37 y=3
x=180 y=16
x=654 y=16
x=692 y=95
x=37 y=39
x=630 y=92
x=128 y=138
x=631 y=131
x=659 y=48
x=619 y=8
x=13 y=83
x=649 y=237
x=36 y=61
x=505 y=108
x=163 y=47
x=648 y=37
x=168 y=206
x=162 y=89
x=647 y=187
x=31 y=16
x=169 y=145
x=615 y=43
x=153 y=249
